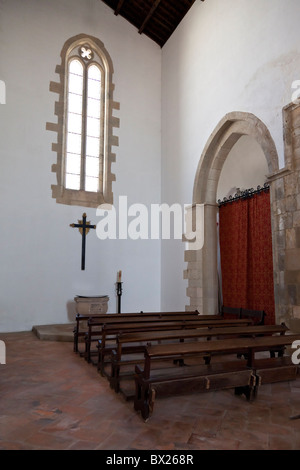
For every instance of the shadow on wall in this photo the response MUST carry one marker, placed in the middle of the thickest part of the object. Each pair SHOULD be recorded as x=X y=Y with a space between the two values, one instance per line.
x=71 y=310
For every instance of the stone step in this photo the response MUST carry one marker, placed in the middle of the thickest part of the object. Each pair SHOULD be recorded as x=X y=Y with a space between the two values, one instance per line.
x=57 y=332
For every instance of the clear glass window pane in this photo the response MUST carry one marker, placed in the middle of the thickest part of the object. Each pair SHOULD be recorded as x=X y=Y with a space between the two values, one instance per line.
x=73 y=163
x=75 y=84
x=92 y=166
x=92 y=147
x=75 y=103
x=91 y=184
x=72 y=181
x=94 y=73
x=75 y=67
x=93 y=108
x=94 y=82
x=93 y=127
x=74 y=123
x=74 y=143
x=94 y=89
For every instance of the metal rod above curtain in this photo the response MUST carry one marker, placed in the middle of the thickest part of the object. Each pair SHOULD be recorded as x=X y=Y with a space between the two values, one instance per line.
x=246 y=193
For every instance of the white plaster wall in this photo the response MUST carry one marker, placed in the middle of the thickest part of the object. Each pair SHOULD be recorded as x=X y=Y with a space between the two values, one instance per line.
x=237 y=55
x=40 y=254
x=245 y=167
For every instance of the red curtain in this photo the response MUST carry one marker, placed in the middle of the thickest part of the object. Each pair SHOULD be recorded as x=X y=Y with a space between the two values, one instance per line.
x=246 y=254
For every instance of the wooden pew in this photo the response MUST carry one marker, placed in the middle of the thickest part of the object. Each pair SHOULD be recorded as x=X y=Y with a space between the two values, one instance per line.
x=80 y=332
x=133 y=343
x=99 y=328
x=111 y=330
x=230 y=312
x=99 y=321
x=257 y=316
x=245 y=376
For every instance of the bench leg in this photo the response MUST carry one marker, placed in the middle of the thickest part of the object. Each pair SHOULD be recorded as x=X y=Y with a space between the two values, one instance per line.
x=151 y=401
x=248 y=391
x=138 y=395
x=87 y=351
x=101 y=363
x=75 y=344
x=141 y=400
x=114 y=377
x=145 y=411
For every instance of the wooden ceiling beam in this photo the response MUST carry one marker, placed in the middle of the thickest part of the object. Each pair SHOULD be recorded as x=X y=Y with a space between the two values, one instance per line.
x=188 y=3
x=119 y=6
x=150 y=14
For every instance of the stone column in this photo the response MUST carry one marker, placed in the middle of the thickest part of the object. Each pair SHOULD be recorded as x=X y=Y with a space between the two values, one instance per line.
x=201 y=270
x=285 y=205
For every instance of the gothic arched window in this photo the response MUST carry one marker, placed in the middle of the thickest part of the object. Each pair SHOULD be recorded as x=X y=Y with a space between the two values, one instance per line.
x=85 y=124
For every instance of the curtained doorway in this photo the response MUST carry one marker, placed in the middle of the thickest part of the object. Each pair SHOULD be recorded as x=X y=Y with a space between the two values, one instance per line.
x=246 y=259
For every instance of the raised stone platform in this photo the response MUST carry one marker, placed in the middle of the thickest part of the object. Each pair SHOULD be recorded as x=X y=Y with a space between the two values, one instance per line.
x=62 y=332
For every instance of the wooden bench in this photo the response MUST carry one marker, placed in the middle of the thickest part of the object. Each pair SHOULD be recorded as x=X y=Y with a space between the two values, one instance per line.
x=80 y=332
x=101 y=329
x=257 y=316
x=230 y=312
x=245 y=376
x=111 y=330
x=107 y=330
x=129 y=344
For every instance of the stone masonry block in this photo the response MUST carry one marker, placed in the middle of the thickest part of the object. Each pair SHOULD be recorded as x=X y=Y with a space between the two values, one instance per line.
x=194 y=274
x=192 y=255
x=291 y=203
x=290 y=238
x=194 y=283
x=279 y=189
x=297 y=232
x=292 y=259
x=194 y=292
x=296 y=218
x=290 y=184
x=296 y=311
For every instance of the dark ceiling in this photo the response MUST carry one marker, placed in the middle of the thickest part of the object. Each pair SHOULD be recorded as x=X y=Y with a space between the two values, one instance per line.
x=157 y=19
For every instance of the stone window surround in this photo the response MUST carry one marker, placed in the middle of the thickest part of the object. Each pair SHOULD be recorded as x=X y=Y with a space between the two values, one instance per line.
x=84 y=198
x=201 y=271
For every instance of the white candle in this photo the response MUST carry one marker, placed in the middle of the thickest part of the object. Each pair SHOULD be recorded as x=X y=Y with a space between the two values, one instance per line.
x=119 y=276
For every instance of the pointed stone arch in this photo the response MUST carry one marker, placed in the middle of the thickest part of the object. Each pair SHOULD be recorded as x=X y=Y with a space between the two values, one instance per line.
x=201 y=271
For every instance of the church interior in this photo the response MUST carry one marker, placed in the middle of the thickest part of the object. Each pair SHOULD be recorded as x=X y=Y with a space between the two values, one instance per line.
x=150 y=179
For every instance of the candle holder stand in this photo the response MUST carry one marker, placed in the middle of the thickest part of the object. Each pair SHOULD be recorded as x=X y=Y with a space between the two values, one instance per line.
x=119 y=295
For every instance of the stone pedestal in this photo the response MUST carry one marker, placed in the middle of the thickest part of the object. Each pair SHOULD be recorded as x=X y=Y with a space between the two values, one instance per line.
x=94 y=305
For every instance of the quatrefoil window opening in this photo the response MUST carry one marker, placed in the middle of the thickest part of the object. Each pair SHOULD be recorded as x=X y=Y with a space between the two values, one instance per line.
x=86 y=52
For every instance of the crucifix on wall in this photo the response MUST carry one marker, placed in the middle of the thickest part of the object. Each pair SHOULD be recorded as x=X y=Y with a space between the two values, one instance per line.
x=84 y=228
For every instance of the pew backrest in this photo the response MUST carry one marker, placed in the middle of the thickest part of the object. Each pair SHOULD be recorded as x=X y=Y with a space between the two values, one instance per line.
x=258 y=316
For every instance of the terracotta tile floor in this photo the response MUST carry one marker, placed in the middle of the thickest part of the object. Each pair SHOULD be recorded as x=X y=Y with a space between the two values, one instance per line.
x=52 y=399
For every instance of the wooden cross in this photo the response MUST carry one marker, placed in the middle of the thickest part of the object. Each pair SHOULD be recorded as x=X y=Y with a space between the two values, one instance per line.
x=84 y=228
